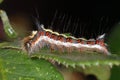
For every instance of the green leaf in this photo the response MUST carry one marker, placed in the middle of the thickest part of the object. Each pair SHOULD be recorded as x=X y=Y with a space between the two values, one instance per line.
x=7 y=26
x=114 y=40
x=115 y=73
x=90 y=62
x=1 y=1
x=15 y=65
x=102 y=72
x=114 y=46
x=78 y=59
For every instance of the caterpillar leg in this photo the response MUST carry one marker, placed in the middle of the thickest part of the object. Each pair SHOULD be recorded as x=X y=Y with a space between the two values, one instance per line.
x=69 y=49
x=80 y=50
x=61 y=48
x=53 y=47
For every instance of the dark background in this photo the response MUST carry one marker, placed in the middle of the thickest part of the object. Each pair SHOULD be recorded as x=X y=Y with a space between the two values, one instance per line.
x=88 y=18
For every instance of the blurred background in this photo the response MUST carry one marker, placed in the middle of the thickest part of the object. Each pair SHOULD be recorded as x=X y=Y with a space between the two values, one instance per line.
x=82 y=18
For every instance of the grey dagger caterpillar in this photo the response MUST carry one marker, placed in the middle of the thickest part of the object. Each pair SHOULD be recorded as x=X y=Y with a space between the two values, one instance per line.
x=55 y=41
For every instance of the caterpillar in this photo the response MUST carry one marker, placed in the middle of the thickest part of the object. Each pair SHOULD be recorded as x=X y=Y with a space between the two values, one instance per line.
x=55 y=41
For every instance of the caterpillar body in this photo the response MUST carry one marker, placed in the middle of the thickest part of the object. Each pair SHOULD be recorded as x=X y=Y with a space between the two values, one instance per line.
x=55 y=41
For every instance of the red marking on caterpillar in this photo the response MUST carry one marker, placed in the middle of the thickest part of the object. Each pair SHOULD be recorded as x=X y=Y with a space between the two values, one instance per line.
x=46 y=37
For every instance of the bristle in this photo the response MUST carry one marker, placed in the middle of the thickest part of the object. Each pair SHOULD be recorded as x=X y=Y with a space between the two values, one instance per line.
x=101 y=36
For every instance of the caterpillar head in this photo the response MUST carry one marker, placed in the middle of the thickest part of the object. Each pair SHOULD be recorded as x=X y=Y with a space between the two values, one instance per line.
x=27 y=41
